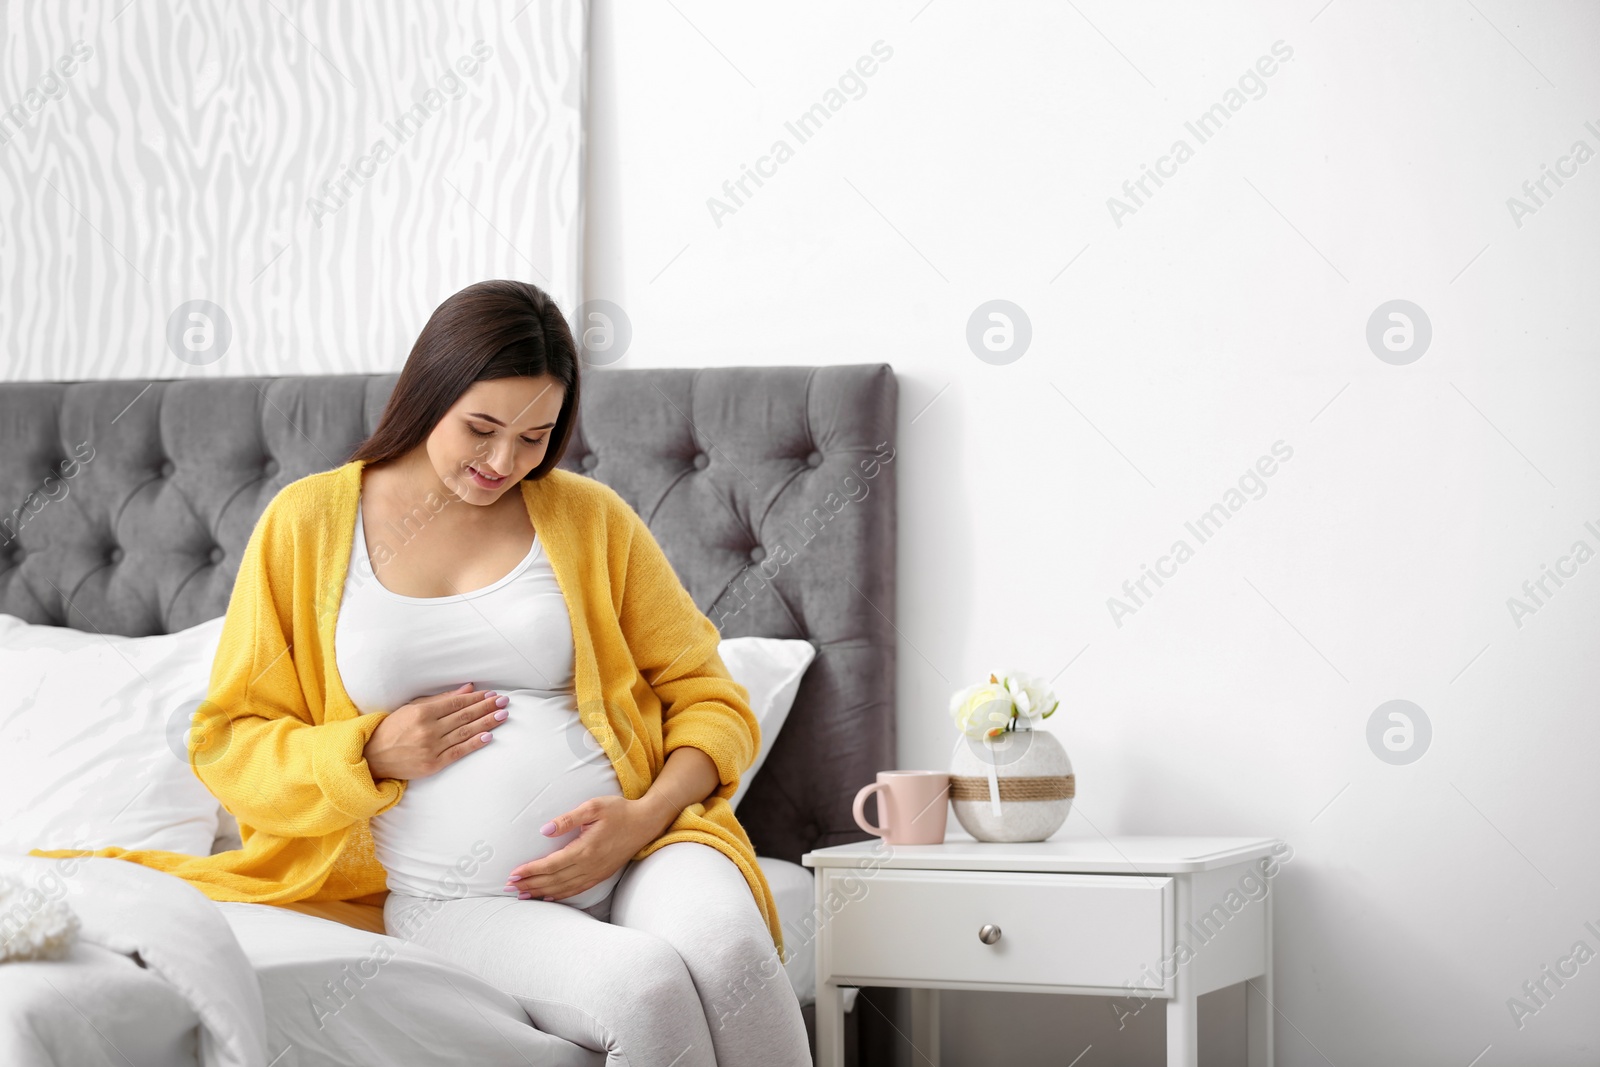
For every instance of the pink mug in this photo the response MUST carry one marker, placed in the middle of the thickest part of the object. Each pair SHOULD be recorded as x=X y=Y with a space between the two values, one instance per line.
x=911 y=805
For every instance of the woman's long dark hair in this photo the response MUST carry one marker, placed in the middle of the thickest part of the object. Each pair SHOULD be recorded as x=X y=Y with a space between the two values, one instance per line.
x=489 y=330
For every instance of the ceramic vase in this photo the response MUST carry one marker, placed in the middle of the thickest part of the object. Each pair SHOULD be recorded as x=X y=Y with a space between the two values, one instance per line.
x=1035 y=780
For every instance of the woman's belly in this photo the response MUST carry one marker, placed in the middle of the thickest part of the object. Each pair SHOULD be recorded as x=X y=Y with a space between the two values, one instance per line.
x=461 y=831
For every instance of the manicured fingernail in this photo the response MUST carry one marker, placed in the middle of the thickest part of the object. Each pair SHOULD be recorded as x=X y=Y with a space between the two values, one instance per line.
x=501 y=714
x=508 y=889
x=548 y=828
x=528 y=896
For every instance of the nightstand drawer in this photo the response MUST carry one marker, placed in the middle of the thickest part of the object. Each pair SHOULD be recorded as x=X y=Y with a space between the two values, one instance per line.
x=1082 y=930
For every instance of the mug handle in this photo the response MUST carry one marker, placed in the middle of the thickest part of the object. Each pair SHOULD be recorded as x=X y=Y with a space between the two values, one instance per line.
x=859 y=809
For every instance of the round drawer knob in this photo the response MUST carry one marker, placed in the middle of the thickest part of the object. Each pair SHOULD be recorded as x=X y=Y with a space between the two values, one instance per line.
x=989 y=934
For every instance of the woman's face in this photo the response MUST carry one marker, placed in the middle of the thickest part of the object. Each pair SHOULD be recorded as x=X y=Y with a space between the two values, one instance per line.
x=497 y=430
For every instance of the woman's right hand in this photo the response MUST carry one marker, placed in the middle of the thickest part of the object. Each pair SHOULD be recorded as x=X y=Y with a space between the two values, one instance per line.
x=430 y=733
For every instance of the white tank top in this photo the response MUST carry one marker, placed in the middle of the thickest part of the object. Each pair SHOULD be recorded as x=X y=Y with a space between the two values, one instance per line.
x=460 y=832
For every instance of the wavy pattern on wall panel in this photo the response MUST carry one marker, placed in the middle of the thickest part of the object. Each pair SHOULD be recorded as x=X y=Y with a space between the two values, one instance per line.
x=320 y=176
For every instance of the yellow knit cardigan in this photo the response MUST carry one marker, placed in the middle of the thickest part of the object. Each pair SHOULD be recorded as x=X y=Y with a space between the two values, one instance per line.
x=280 y=743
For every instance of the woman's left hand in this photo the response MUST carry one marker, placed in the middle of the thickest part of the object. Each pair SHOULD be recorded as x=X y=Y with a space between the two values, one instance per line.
x=611 y=830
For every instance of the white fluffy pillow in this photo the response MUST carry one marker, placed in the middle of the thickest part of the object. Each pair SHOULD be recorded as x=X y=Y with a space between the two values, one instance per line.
x=93 y=738
x=771 y=669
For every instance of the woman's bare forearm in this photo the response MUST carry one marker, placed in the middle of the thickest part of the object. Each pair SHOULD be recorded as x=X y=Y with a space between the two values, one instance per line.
x=688 y=777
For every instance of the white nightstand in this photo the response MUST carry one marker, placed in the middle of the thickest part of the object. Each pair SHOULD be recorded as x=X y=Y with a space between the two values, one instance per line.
x=1169 y=917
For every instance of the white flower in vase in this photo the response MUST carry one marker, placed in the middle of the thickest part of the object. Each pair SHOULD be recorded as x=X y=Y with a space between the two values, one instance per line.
x=982 y=710
x=1032 y=698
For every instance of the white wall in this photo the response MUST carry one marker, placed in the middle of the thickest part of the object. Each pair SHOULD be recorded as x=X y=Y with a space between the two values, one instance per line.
x=1228 y=313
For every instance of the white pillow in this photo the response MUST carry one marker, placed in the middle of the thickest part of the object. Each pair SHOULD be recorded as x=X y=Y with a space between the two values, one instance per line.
x=771 y=669
x=93 y=738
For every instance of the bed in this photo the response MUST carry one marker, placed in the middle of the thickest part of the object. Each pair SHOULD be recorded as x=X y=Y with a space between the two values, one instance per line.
x=722 y=463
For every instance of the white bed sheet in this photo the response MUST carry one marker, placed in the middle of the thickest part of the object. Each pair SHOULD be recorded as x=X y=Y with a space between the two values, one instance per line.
x=135 y=1017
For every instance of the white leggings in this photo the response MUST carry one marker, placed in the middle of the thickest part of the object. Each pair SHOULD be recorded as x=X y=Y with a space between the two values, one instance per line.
x=676 y=968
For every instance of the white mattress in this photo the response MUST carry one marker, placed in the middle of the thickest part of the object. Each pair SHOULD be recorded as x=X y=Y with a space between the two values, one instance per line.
x=332 y=997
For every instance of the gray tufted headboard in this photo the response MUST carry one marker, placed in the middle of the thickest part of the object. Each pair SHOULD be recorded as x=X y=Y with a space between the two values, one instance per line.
x=126 y=504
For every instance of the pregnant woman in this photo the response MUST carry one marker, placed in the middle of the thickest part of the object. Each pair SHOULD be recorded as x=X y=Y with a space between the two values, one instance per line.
x=455 y=672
